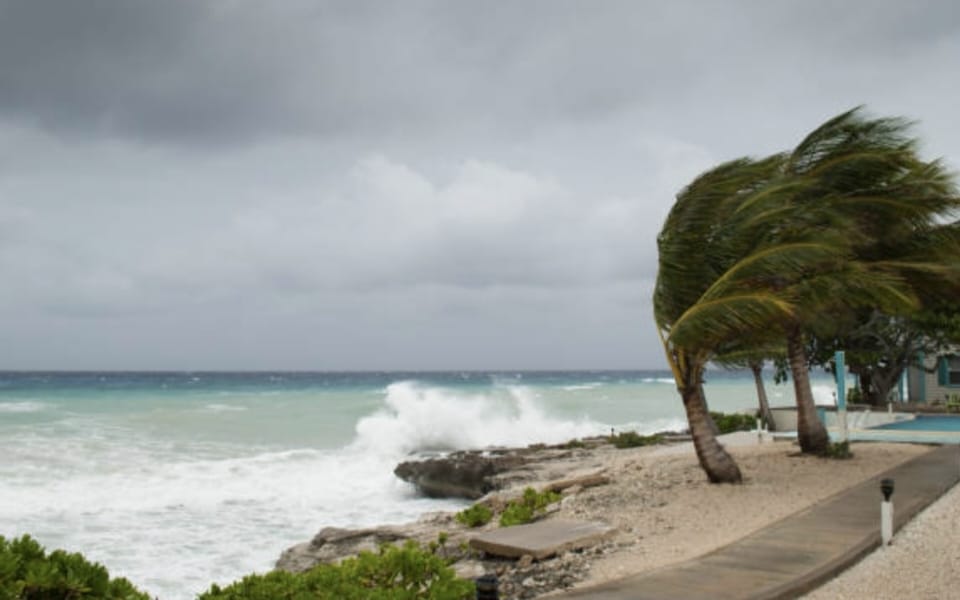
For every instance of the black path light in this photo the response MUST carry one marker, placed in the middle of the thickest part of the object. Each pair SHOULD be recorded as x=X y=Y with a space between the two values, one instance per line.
x=886 y=511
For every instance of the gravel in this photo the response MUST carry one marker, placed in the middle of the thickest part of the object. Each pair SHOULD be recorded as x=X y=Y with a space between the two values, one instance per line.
x=922 y=561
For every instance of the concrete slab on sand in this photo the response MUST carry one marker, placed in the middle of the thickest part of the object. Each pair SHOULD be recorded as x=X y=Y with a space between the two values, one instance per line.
x=541 y=539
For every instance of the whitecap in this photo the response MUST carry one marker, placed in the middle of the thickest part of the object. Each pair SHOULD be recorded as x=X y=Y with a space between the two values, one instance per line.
x=580 y=387
x=224 y=408
x=22 y=407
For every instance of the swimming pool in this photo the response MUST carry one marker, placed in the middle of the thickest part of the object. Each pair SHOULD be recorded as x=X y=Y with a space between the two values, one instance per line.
x=925 y=423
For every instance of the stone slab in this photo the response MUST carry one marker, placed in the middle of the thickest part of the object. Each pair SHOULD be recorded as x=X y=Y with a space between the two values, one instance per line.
x=541 y=539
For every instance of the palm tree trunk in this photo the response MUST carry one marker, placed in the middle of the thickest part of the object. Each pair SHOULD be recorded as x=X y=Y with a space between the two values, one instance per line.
x=715 y=461
x=810 y=431
x=706 y=408
x=765 y=413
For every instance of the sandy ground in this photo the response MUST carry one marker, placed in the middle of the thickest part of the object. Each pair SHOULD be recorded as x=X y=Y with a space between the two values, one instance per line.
x=666 y=511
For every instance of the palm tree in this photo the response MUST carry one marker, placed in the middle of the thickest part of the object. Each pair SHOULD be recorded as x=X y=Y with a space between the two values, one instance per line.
x=865 y=181
x=785 y=242
x=716 y=259
x=751 y=353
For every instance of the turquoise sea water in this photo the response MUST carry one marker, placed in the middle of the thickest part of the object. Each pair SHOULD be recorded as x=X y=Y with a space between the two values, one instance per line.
x=179 y=480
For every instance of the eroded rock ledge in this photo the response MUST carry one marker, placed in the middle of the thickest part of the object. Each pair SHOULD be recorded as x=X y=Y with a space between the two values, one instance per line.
x=473 y=474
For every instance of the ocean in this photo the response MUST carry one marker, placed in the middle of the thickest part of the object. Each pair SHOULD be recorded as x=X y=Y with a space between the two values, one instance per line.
x=180 y=480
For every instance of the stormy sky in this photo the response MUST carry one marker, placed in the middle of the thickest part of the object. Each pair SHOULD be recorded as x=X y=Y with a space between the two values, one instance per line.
x=232 y=184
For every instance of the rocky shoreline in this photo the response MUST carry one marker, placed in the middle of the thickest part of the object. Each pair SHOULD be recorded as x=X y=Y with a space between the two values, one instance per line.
x=656 y=499
x=493 y=477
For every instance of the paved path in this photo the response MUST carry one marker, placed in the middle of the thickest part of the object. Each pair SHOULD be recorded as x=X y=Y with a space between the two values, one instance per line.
x=800 y=552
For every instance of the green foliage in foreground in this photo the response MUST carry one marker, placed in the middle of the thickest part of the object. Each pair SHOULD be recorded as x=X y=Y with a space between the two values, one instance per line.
x=734 y=422
x=477 y=515
x=531 y=504
x=632 y=439
x=407 y=572
x=27 y=572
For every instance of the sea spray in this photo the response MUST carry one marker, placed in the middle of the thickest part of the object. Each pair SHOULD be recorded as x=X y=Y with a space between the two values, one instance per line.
x=419 y=418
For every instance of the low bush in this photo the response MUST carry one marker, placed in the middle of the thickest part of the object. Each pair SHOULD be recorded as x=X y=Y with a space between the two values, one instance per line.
x=477 y=515
x=27 y=572
x=838 y=450
x=728 y=423
x=531 y=504
x=405 y=572
x=632 y=439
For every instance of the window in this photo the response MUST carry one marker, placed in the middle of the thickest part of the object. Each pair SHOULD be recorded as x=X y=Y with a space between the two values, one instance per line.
x=950 y=370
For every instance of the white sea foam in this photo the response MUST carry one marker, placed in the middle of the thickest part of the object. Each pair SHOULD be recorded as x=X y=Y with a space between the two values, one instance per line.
x=224 y=408
x=584 y=386
x=22 y=407
x=658 y=380
x=137 y=504
x=419 y=418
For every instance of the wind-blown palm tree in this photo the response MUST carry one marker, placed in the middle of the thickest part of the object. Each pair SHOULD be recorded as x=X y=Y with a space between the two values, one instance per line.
x=753 y=245
x=716 y=259
x=864 y=180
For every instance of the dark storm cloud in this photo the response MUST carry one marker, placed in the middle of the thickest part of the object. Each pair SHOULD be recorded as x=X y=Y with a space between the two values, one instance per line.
x=383 y=176
x=229 y=71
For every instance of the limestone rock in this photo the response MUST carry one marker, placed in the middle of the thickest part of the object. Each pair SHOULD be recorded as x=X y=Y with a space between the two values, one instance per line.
x=459 y=475
x=334 y=543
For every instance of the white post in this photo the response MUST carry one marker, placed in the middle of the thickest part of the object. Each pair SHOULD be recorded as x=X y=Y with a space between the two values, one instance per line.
x=841 y=374
x=886 y=522
x=886 y=512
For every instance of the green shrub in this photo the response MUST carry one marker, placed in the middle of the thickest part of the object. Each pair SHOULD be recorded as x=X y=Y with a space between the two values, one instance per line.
x=477 y=515
x=574 y=443
x=406 y=572
x=734 y=422
x=838 y=450
x=531 y=504
x=632 y=439
x=28 y=573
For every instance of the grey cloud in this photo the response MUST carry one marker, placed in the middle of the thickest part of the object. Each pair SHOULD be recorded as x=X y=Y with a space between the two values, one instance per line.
x=408 y=185
x=227 y=72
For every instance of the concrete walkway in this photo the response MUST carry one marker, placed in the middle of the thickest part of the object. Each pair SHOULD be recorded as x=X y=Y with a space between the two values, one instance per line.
x=800 y=552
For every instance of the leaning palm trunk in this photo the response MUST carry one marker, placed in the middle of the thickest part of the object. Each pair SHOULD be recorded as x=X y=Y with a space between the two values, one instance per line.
x=765 y=413
x=811 y=433
x=714 y=459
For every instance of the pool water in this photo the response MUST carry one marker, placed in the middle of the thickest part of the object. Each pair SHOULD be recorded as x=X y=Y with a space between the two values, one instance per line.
x=926 y=423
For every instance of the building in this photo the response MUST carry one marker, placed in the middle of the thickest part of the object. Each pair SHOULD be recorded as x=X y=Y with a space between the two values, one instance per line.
x=938 y=382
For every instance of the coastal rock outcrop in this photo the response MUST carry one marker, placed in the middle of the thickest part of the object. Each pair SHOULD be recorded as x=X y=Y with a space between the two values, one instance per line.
x=460 y=475
x=473 y=474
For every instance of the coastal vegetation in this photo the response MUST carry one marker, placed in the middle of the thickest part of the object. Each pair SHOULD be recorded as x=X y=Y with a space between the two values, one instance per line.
x=477 y=515
x=632 y=439
x=728 y=423
x=407 y=572
x=27 y=572
x=771 y=254
x=524 y=509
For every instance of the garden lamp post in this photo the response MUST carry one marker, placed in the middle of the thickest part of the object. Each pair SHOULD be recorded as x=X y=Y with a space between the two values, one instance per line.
x=886 y=512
